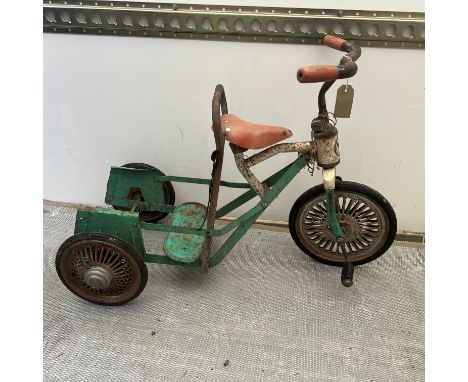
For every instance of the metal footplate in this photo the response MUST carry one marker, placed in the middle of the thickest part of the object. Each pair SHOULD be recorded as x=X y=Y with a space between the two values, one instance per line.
x=183 y=247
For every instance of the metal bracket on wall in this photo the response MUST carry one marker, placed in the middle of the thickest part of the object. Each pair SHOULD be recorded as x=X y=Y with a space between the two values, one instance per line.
x=234 y=23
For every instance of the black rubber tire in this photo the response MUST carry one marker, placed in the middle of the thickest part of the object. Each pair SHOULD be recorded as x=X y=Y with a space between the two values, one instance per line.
x=135 y=258
x=370 y=193
x=168 y=191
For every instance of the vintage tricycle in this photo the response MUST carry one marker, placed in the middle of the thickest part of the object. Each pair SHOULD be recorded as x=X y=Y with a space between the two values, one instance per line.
x=337 y=223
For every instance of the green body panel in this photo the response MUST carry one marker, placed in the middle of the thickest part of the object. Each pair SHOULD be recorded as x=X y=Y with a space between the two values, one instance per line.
x=122 y=181
x=119 y=223
x=184 y=247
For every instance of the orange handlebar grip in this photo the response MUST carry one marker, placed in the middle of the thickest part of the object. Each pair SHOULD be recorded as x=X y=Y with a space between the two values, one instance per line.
x=333 y=42
x=320 y=73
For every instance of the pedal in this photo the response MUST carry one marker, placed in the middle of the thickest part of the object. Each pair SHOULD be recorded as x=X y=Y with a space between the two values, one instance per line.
x=347 y=274
x=184 y=247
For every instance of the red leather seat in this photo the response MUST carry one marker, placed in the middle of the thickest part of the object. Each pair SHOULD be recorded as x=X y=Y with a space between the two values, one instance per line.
x=250 y=135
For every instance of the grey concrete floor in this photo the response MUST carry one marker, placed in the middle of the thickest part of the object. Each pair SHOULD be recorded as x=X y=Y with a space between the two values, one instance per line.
x=270 y=310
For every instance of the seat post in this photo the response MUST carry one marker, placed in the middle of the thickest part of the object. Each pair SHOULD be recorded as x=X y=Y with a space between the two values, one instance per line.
x=259 y=187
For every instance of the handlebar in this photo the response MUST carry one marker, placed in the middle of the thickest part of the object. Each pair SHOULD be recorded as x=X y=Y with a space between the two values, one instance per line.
x=345 y=69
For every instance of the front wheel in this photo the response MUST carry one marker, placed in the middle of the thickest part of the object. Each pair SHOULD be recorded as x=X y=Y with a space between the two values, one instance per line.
x=366 y=218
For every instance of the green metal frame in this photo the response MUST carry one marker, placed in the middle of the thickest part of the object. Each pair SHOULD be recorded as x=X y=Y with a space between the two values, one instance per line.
x=127 y=226
x=330 y=203
x=277 y=182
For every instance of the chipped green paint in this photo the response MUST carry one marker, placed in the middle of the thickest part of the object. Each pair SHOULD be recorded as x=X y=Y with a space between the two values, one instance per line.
x=245 y=197
x=184 y=179
x=122 y=224
x=183 y=247
x=245 y=221
x=187 y=230
x=124 y=181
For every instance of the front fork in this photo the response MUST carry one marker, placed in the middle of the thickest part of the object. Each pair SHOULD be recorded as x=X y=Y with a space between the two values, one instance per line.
x=327 y=156
x=331 y=202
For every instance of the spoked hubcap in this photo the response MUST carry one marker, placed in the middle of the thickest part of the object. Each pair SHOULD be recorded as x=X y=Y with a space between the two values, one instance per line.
x=364 y=224
x=98 y=277
x=100 y=271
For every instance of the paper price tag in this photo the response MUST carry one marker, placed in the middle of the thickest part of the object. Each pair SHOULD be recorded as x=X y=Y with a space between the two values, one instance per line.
x=344 y=101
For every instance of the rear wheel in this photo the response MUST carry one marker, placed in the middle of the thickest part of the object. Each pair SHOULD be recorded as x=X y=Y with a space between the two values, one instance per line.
x=101 y=268
x=169 y=195
x=366 y=217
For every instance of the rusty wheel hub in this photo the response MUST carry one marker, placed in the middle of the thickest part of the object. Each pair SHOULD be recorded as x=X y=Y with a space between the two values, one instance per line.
x=98 y=277
x=349 y=226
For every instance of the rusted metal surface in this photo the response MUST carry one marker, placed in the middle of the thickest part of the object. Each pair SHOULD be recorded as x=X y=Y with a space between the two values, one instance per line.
x=322 y=102
x=299 y=147
x=124 y=225
x=218 y=107
x=345 y=69
x=258 y=186
x=244 y=165
x=250 y=194
x=329 y=176
x=364 y=223
x=101 y=268
x=184 y=247
x=135 y=194
x=325 y=137
x=278 y=186
x=237 y=149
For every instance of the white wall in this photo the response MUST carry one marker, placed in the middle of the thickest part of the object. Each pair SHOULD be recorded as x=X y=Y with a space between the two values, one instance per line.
x=113 y=100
